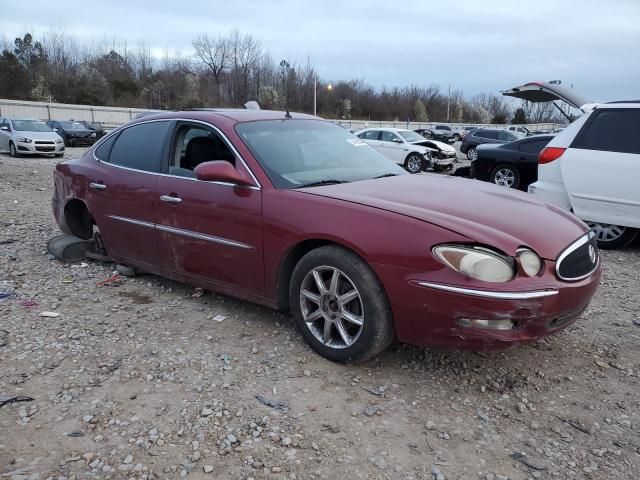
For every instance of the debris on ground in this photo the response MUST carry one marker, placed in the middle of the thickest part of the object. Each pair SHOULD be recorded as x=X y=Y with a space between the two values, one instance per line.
x=49 y=314
x=113 y=281
x=197 y=292
x=7 y=400
x=280 y=405
x=520 y=457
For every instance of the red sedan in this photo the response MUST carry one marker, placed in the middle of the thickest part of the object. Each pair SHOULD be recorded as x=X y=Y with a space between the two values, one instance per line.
x=296 y=213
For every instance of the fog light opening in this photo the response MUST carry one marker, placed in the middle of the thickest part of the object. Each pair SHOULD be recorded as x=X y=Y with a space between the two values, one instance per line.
x=483 y=324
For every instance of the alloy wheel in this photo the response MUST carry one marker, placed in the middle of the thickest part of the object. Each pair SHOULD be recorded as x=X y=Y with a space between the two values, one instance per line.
x=414 y=164
x=472 y=154
x=12 y=149
x=606 y=232
x=332 y=308
x=505 y=177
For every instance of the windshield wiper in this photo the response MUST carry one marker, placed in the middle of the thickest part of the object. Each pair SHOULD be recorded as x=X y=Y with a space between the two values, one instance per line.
x=386 y=175
x=321 y=182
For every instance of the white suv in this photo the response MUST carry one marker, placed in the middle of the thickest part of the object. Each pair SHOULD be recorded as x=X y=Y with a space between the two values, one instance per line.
x=592 y=168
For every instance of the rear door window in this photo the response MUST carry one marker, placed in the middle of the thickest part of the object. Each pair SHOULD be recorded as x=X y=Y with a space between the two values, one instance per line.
x=611 y=131
x=388 y=136
x=141 y=147
x=506 y=136
x=487 y=134
x=370 y=135
x=104 y=149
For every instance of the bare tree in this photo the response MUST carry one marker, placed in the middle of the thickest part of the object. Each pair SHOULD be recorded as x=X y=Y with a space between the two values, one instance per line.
x=215 y=54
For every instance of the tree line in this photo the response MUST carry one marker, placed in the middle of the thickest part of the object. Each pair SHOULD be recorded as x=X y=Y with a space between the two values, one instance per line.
x=225 y=71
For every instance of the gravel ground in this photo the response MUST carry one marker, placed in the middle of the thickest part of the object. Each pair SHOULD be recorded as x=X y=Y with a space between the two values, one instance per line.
x=142 y=379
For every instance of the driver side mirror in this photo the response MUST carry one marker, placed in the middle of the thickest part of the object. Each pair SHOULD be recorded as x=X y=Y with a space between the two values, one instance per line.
x=56 y=130
x=220 y=171
x=4 y=128
x=396 y=140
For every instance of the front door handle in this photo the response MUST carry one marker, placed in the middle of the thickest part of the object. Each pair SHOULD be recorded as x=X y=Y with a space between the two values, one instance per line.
x=97 y=186
x=170 y=199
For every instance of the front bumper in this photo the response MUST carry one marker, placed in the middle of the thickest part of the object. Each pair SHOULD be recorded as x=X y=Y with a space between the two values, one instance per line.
x=39 y=147
x=434 y=313
x=84 y=141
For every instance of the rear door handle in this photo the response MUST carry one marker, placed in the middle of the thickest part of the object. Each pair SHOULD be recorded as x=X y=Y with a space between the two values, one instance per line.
x=97 y=186
x=170 y=199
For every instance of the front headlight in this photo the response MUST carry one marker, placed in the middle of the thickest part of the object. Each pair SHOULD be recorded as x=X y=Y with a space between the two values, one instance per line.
x=530 y=262
x=59 y=140
x=476 y=262
x=24 y=140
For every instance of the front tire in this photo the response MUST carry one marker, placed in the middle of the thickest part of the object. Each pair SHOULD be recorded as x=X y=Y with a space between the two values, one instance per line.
x=613 y=236
x=505 y=176
x=13 y=151
x=339 y=306
x=413 y=163
x=472 y=153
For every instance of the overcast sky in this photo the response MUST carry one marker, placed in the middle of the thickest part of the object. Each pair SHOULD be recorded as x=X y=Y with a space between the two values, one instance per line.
x=477 y=46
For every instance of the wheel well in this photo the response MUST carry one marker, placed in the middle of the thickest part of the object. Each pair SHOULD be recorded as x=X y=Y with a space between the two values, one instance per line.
x=289 y=262
x=78 y=219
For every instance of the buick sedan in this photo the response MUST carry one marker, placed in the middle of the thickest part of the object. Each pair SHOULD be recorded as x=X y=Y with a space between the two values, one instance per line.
x=298 y=214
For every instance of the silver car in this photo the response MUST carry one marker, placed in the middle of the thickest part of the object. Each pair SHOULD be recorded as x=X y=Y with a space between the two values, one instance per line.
x=29 y=137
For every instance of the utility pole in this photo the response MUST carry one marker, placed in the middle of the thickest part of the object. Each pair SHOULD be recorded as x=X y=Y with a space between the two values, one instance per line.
x=448 y=102
x=315 y=93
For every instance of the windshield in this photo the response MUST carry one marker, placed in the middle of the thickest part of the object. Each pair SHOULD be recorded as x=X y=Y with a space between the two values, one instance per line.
x=410 y=136
x=72 y=126
x=294 y=153
x=30 y=126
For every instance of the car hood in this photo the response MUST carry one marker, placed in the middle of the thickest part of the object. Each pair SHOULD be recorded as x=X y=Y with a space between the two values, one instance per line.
x=484 y=213
x=37 y=135
x=445 y=147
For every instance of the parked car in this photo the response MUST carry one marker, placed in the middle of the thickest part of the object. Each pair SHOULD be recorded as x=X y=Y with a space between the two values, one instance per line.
x=442 y=133
x=96 y=127
x=290 y=211
x=519 y=130
x=592 y=166
x=512 y=165
x=406 y=148
x=29 y=137
x=73 y=133
x=484 y=135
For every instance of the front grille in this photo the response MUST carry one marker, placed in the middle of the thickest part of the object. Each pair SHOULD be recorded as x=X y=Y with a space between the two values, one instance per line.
x=578 y=260
x=45 y=142
x=565 y=319
x=45 y=148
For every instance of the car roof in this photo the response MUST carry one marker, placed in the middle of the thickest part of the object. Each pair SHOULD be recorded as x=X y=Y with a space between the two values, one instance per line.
x=620 y=104
x=247 y=115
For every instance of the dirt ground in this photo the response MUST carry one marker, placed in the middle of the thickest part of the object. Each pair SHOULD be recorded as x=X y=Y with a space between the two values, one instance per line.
x=142 y=379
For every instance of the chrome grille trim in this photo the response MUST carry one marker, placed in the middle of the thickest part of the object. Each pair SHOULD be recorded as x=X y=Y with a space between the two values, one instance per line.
x=587 y=237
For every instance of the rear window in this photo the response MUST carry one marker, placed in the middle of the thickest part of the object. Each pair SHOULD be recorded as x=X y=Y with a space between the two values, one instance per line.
x=611 y=131
x=140 y=146
x=533 y=147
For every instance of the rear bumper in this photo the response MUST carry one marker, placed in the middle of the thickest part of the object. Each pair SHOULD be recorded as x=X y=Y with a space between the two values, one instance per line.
x=433 y=314
x=552 y=192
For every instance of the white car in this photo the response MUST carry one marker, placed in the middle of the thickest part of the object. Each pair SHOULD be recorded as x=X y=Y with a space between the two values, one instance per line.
x=592 y=167
x=29 y=137
x=409 y=148
x=519 y=131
